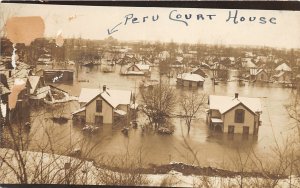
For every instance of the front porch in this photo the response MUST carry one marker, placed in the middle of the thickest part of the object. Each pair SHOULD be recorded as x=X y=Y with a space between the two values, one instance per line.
x=216 y=124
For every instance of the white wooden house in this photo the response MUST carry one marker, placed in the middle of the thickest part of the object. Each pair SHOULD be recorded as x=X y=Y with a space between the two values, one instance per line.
x=104 y=106
x=190 y=80
x=234 y=114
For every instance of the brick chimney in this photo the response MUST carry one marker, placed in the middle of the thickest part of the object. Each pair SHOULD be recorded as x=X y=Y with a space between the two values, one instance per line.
x=104 y=87
x=236 y=95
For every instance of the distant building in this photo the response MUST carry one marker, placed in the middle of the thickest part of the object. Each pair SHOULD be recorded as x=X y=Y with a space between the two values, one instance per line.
x=138 y=69
x=283 y=67
x=199 y=71
x=259 y=75
x=190 y=80
x=103 y=106
x=234 y=114
x=248 y=64
x=59 y=75
x=283 y=73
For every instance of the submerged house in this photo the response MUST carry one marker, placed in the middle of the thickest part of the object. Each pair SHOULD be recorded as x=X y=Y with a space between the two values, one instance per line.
x=101 y=107
x=259 y=75
x=138 y=69
x=283 y=73
x=190 y=80
x=58 y=75
x=38 y=89
x=234 y=114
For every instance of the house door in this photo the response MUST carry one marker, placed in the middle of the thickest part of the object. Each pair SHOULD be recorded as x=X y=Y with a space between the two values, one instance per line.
x=245 y=130
x=230 y=129
x=99 y=120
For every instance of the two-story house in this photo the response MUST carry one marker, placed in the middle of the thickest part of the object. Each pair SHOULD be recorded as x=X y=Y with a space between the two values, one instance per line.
x=234 y=114
x=104 y=106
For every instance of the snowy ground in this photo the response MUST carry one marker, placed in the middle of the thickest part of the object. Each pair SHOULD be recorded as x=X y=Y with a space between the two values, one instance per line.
x=51 y=168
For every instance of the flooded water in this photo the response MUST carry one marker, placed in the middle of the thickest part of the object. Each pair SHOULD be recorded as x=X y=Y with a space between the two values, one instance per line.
x=213 y=149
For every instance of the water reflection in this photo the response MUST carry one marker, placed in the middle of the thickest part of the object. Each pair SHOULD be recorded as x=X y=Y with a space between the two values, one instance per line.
x=211 y=146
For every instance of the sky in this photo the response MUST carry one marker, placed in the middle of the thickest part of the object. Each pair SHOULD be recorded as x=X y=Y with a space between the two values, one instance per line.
x=92 y=22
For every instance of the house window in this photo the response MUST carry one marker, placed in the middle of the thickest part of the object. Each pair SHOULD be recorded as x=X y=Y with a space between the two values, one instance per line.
x=239 y=116
x=98 y=105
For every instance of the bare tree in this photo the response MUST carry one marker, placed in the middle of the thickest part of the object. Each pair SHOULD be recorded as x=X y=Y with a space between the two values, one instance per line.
x=191 y=104
x=18 y=164
x=159 y=103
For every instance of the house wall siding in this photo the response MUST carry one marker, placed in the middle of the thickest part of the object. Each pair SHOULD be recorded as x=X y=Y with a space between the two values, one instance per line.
x=249 y=120
x=107 y=112
x=262 y=76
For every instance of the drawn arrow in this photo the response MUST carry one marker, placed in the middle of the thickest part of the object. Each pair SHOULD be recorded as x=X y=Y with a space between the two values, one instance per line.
x=113 y=29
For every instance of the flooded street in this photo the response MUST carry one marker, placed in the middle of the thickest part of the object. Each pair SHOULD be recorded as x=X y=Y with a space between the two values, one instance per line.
x=212 y=148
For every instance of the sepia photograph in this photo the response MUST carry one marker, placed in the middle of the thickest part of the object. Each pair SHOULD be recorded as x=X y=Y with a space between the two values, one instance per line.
x=149 y=96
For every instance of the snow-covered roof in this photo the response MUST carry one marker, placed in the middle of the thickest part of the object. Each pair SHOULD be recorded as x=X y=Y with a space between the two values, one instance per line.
x=191 y=77
x=225 y=103
x=77 y=111
x=216 y=120
x=143 y=66
x=283 y=67
x=41 y=93
x=33 y=80
x=117 y=97
x=88 y=94
x=120 y=112
x=113 y=97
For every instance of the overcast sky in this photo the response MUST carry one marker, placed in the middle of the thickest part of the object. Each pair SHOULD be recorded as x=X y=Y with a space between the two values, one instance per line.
x=92 y=22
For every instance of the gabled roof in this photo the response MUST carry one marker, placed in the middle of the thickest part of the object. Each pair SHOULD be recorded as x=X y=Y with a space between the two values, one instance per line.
x=87 y=94
x=112 y=97
x=191 y=77
x=283 y=67
x=33 y=80
x=117 y=97
x=225 y=103
x=143 y=66
x=199 y=71
x=78 y=111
